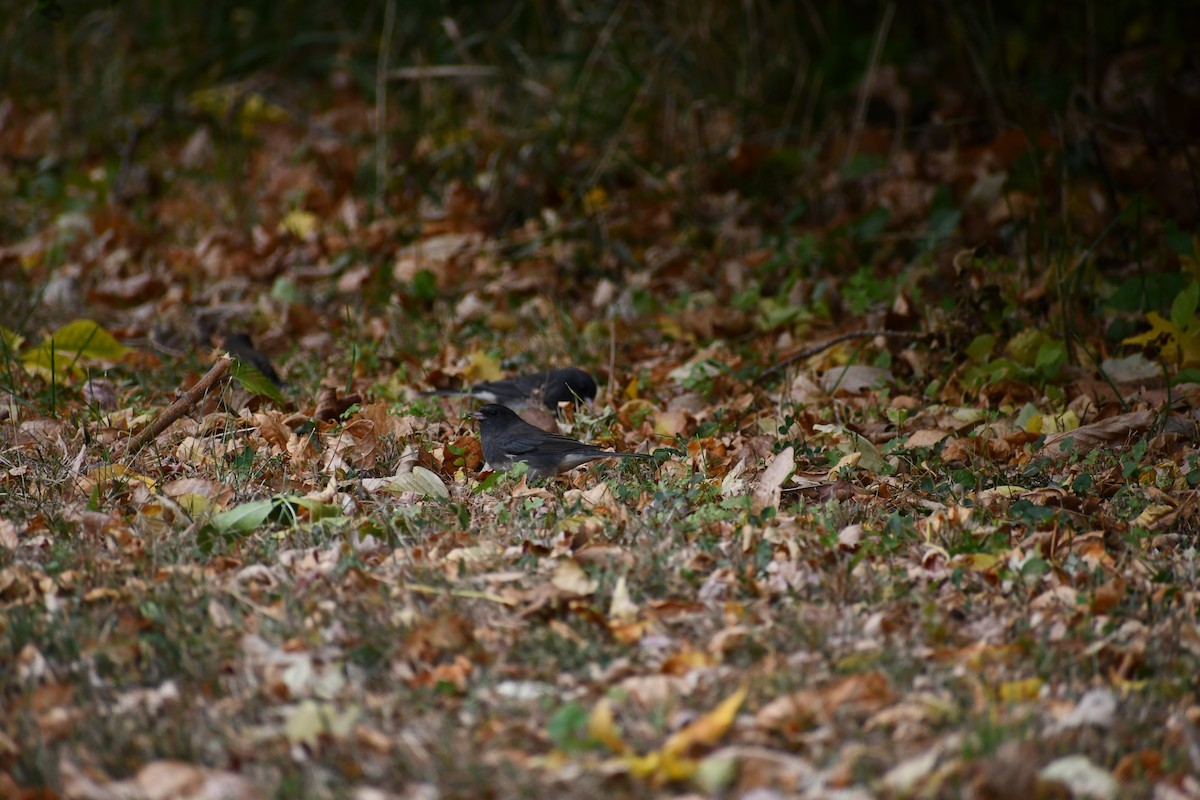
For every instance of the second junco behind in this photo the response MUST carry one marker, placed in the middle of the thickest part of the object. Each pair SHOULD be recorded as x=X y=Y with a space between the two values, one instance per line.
x=550 y=387
x=507 y=439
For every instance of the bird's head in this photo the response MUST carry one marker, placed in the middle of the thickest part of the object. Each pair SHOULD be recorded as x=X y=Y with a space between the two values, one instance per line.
x=492 y=411
x=569 y=385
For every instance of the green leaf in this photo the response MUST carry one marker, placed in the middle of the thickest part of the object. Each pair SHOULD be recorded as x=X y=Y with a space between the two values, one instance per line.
x=48 y=363
x=1051 y=357
x=942 y=224
x=1188 y=375
x=249 y=517
x=487 y=483
x=871 y=225
x=567 y=728
x=70 y=344
x=1027 y=412
x=424 y=285
x=10 y=340
x=1178 y=241
x=1024 y=347
x=88 y=340
x=1029 y=513
x=285 y=291
x=862 y=165
x=1183 y=308
x=244 y=519
x=254 y=381
x=317 y=510
x=981 y=347
x=1033 y=567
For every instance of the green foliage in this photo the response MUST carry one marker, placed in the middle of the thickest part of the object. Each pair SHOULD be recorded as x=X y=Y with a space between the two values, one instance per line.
x=567 y=728
x=1032 y=356
x=254 y=381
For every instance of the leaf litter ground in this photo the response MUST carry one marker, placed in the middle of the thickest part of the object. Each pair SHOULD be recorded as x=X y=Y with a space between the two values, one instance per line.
x=961 y=561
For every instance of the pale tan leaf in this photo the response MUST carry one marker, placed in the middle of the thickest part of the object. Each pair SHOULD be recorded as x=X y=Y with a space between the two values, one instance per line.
x=855 y=379
x=770 y=481
x=1116 y=431
x=925 y=437
x=622 y=607
x=570 y=578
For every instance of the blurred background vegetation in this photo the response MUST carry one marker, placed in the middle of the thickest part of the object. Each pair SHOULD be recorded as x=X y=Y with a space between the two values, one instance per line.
x=555 y=97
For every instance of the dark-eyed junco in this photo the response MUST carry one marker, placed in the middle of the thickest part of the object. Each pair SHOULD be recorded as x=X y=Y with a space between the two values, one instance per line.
x=549 y=387
x=239 y=346
x=508 y=439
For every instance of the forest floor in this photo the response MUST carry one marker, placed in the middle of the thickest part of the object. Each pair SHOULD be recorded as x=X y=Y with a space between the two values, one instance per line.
x=956 y=559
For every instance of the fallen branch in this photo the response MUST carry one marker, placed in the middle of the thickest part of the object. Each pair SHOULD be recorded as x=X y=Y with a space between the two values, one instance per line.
x=181 y=406
x=809 y=352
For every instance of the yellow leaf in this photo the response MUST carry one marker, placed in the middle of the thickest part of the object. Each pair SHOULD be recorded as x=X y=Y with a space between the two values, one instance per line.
x=300 y=223
x=1189 y=347
x=1161 y=331
x=669 y=327
x=1174 y=346
x=10 y=339
x=74 y=342
x=257 y=108
x=1151 y=514
x=1019 y=691
x=644 y=766
x=660 y=767
x=603 y=728
x=483 y=367
x=707 y=729
x=1052 y=423
x=976 y=562
x=677 y=769
x=110 y=472
x=195 y=504
x=846 y=462
x=595 y=201
x=251 y=107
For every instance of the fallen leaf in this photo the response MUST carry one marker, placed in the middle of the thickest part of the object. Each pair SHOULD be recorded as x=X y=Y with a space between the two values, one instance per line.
x=570 y=578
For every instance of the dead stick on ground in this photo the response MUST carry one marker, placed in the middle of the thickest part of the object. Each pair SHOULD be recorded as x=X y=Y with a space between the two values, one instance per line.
x=181 y=406
x=809 y=352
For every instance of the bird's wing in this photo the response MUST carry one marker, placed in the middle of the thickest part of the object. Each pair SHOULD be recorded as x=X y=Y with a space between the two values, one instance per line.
x=520 y=445
x=509 y=390
x=549 y=444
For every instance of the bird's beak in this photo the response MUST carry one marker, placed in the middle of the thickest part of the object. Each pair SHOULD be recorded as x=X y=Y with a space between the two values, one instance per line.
x=478 y=415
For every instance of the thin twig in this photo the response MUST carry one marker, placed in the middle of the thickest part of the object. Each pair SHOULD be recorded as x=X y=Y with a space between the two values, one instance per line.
x=809 y=352
x=469 y=594
x=443 y=71
x=868 y=82
x=381 y=74
x=612 y=360
x=181 y=406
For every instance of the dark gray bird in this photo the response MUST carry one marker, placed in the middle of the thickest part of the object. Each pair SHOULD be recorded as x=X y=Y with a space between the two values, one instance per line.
x=550 y=387
x=507 y=439
x=239 y=346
